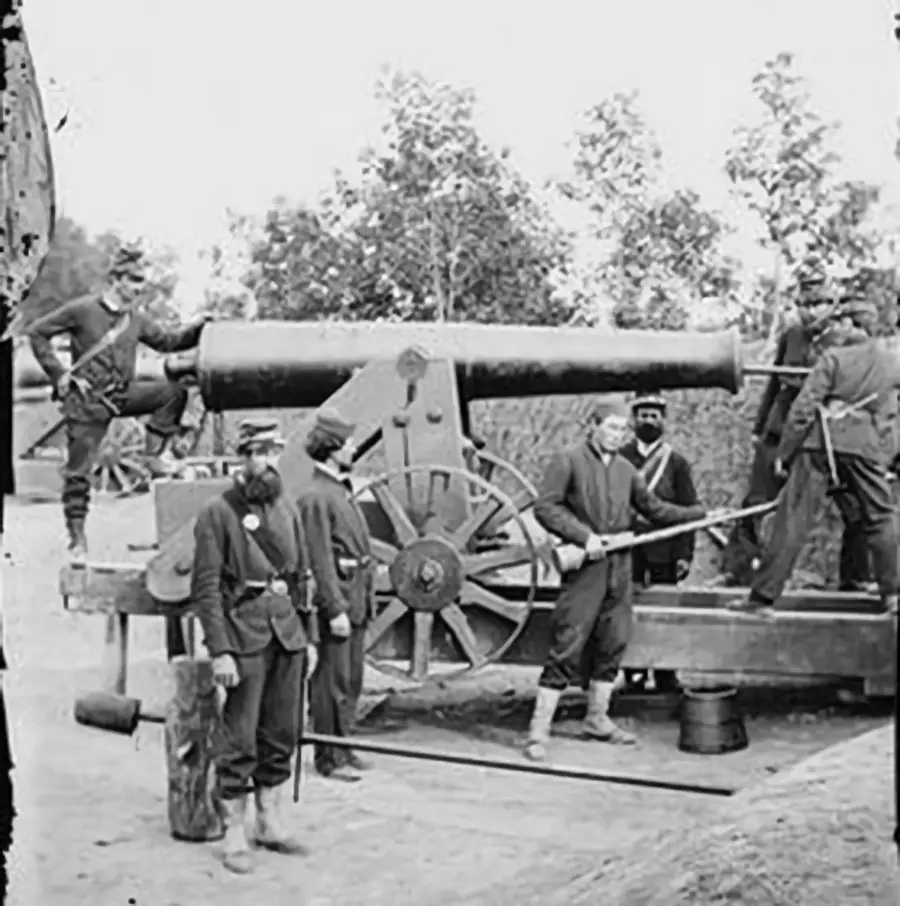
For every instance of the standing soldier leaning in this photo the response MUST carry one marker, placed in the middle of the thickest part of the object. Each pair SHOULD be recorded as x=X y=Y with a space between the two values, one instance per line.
x=668 y=475
x=797 y=346
x=849 y=396
x=250 y=589
x=589 y=494
x=104 y=333
x=341 y=561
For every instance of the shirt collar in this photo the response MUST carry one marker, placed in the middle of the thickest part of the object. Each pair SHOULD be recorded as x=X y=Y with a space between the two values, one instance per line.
x=327 y=470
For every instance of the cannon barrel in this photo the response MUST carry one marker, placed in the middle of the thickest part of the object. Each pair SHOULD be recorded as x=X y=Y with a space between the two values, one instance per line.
x=284 y=365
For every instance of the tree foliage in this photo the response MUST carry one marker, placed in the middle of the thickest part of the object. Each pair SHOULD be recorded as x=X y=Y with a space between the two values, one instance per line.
x=661 y=250
x=76 y=265
x=783 y=169
x=437 y=226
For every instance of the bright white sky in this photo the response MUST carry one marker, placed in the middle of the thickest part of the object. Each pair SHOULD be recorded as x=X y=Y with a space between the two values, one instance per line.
x=180 y=108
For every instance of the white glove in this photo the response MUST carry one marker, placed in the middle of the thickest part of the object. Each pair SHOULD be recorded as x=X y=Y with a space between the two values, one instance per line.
x=312 y=659
x=225 y=671
x=340 y=626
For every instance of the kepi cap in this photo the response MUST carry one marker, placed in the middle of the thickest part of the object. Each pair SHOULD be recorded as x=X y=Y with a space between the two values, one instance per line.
x=252 y=431
x=649 y=399
x=128 y=261
x=330 y=423
x=613 y=404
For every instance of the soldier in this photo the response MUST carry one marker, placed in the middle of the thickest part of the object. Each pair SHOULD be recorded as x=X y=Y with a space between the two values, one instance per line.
x=249 y=586
x=103 y=387
x=587 y=496
x=851 y=390
x=668 y=475
x=341 y=560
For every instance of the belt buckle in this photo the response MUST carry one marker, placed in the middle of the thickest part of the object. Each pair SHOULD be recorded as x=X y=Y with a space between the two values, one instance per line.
x=278 y=587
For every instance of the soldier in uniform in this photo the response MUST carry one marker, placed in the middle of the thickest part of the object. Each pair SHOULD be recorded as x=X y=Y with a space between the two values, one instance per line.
x=104 y=386
x=341 y=561
x=249 y=585
x=797 y=346
x=851 y=390
x=668 y=475
x=589 y=494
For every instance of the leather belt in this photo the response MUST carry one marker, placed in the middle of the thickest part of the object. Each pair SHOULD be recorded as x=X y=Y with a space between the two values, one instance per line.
x=274 y=586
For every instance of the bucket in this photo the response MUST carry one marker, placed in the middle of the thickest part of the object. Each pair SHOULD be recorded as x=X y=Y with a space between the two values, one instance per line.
x=711 y=723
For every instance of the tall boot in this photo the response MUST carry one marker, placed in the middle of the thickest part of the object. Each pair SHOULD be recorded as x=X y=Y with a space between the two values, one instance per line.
x=597 y=723
x=541 y=721
x=77 y=539
x=270 y=832
x=237 y=855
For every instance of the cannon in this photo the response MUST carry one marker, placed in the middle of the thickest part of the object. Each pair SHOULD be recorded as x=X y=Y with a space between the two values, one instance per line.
x=464 y=574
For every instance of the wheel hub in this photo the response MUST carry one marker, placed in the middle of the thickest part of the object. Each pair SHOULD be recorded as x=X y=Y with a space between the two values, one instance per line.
x=427 y=575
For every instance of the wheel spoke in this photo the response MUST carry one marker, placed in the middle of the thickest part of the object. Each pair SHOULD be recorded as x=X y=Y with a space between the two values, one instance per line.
x=383 y=551
x=473 y=593
x=383 y=622
x=454 y=617
x=104 y=480
x=393 y=509
x=126 y=485
x=503 y=558
x=489 y=509
x=421 y=648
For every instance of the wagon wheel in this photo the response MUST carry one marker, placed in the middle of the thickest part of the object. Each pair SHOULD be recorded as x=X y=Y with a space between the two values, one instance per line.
x=432 y=574
x=520 y=490
x=119 y=466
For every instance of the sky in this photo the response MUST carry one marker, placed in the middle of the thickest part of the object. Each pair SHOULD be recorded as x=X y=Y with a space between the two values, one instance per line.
x=181 y=108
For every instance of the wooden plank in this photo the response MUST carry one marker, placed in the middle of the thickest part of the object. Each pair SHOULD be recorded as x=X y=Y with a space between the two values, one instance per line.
x=109 y=588
x=177 y=502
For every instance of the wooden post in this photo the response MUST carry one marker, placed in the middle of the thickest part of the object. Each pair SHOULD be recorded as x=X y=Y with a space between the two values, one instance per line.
x=193 y=728
x=115 y=654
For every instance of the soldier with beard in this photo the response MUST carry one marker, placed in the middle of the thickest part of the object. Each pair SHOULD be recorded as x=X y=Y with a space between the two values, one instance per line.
x=249 y=586
x=668 y=475
x=851 y=390
x=341 y=561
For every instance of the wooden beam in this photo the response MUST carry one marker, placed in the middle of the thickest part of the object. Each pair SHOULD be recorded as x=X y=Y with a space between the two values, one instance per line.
x=110 y=588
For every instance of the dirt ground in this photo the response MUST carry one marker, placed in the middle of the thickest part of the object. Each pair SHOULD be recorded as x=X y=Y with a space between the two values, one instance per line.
x=92 y=822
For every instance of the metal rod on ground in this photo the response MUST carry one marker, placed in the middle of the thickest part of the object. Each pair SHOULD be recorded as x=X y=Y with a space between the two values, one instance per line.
x=506 y=764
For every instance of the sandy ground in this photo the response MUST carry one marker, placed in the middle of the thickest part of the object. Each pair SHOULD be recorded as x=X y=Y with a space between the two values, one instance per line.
x=92 y=806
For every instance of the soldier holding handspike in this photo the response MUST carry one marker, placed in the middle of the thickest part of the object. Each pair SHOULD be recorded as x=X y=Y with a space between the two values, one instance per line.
x=589 y=495
x=251 y=587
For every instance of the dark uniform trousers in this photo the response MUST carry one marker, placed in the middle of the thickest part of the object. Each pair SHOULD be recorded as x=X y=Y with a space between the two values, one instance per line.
x=869 y=495
x=86 y=426
x=591 y=625
x=335 y=689
x=261 y=720
x=744 y=544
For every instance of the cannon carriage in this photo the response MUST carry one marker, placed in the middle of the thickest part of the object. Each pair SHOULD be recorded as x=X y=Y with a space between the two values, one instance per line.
x=464 y=577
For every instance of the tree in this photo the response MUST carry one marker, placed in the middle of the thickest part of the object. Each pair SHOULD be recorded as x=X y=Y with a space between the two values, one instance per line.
x=782 y=168
x=661 y=252
x=228 y=292
x=438 y=226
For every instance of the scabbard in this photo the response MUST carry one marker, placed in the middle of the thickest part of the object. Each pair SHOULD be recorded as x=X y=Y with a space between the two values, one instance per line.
x=298 y=758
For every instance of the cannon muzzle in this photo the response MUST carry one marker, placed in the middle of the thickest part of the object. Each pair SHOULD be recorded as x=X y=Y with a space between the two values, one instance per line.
x=285 y=365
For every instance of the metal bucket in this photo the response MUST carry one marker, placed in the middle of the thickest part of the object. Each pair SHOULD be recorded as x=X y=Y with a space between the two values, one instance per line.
x=711 y=723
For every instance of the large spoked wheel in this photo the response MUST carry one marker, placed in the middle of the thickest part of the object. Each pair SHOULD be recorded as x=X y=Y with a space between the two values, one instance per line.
x=435 y=578
x=508 y=479
x=119 y=467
